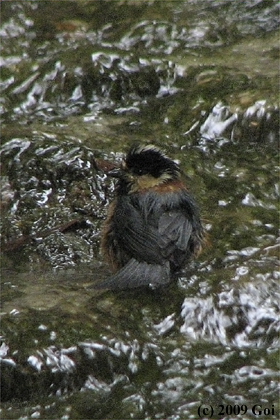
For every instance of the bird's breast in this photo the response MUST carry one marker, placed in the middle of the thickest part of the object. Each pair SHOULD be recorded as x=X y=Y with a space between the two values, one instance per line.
x=152 y=202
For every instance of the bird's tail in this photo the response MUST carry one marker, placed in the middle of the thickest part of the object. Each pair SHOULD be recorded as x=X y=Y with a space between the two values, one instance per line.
x=136 y=274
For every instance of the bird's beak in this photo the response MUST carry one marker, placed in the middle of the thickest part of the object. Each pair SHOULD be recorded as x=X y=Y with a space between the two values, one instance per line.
x=115 y=173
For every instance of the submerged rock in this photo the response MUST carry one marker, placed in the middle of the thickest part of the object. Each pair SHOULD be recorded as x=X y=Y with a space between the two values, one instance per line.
x=55 y=189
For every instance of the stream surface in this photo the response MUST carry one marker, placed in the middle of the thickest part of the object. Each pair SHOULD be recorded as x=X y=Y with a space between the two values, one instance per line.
x=81 y=81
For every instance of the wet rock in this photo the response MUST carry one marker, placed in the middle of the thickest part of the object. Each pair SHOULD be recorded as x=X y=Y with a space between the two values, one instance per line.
x=55 y=189
x=259 y=123
x=217 y=123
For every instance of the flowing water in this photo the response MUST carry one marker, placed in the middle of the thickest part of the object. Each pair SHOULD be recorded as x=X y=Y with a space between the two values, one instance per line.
x=81 y=81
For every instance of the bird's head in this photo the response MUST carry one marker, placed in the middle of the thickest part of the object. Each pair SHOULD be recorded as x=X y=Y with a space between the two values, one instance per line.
x=145 y=167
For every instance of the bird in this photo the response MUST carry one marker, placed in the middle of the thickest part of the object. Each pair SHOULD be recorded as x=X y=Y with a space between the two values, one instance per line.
x=153 y=226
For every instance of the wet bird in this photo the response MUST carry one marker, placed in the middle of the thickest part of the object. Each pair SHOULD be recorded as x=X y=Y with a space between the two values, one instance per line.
x=153 y=227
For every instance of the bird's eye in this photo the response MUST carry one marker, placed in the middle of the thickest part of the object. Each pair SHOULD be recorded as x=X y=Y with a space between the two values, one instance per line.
x=138 y=171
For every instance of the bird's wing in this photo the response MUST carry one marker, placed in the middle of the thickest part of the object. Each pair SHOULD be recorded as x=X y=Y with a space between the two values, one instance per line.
x=149 y=243
x=175 y=228
x=139 y=239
